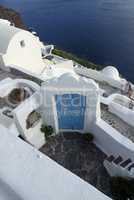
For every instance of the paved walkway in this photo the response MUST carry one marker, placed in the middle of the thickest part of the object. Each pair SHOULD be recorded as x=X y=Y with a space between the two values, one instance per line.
x=79 y=156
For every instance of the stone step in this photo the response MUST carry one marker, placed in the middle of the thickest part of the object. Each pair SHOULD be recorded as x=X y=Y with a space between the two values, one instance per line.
x=131 y=167
x=118 y=160
x=125 y=163
x=110 y=158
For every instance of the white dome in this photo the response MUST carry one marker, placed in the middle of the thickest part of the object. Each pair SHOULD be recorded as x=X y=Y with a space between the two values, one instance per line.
x=111 y=72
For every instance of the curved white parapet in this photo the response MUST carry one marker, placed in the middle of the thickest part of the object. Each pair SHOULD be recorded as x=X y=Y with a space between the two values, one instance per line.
x=111 y=141
x=32 y=134
x=7 y=85
x=107 y=100
x=124 y=113
x=27 y=83
x=108 y=75
x=120 y=106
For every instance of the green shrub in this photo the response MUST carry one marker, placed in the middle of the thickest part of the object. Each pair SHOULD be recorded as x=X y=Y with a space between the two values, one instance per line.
x=80 y=61
x=122 y=189
x=47 y=130
x=88 y=137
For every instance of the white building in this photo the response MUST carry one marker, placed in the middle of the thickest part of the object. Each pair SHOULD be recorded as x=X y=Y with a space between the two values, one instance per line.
x=70 y=98
x=70 y=102
x=20 y=48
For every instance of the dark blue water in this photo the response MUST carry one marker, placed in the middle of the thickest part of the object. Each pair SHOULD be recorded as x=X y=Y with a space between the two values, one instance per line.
x=100 y=30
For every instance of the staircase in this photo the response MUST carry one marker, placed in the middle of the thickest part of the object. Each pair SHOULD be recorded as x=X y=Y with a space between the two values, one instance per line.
x=117 y=166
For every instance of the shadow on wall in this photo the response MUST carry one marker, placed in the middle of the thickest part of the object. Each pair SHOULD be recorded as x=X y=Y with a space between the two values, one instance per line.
x=6 y=192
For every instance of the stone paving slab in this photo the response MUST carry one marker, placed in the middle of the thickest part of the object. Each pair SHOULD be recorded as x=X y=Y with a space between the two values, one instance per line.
x=80 y=157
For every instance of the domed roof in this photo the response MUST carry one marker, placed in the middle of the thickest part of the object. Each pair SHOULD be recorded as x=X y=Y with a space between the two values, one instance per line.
x=111 y=72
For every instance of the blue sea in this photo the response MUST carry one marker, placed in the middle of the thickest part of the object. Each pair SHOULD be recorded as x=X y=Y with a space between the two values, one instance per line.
x=99 y=30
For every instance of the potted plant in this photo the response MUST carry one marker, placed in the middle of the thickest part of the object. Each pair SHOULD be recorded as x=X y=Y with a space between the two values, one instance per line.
x=88 y=137
x=47 y=130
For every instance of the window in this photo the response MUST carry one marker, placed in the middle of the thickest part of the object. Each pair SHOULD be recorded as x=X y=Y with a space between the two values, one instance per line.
x=22 y=43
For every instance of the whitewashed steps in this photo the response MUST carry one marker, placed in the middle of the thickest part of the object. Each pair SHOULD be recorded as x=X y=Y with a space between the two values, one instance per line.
x=118 y=167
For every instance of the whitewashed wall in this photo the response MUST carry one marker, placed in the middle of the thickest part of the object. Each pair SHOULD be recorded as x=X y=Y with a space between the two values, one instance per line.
x=119 y=105
x=49 y=113
x=126 y=114
x=97 y=75
x=111 y=142
x=21 y=113
x=31 y=175
x=7 y=85
x=28 y=57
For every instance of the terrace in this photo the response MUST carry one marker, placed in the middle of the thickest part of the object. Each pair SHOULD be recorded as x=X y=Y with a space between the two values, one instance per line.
x=53 y=59
x=81 y=157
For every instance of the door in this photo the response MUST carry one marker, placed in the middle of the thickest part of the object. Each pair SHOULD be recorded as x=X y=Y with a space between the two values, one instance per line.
x=71 y=111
